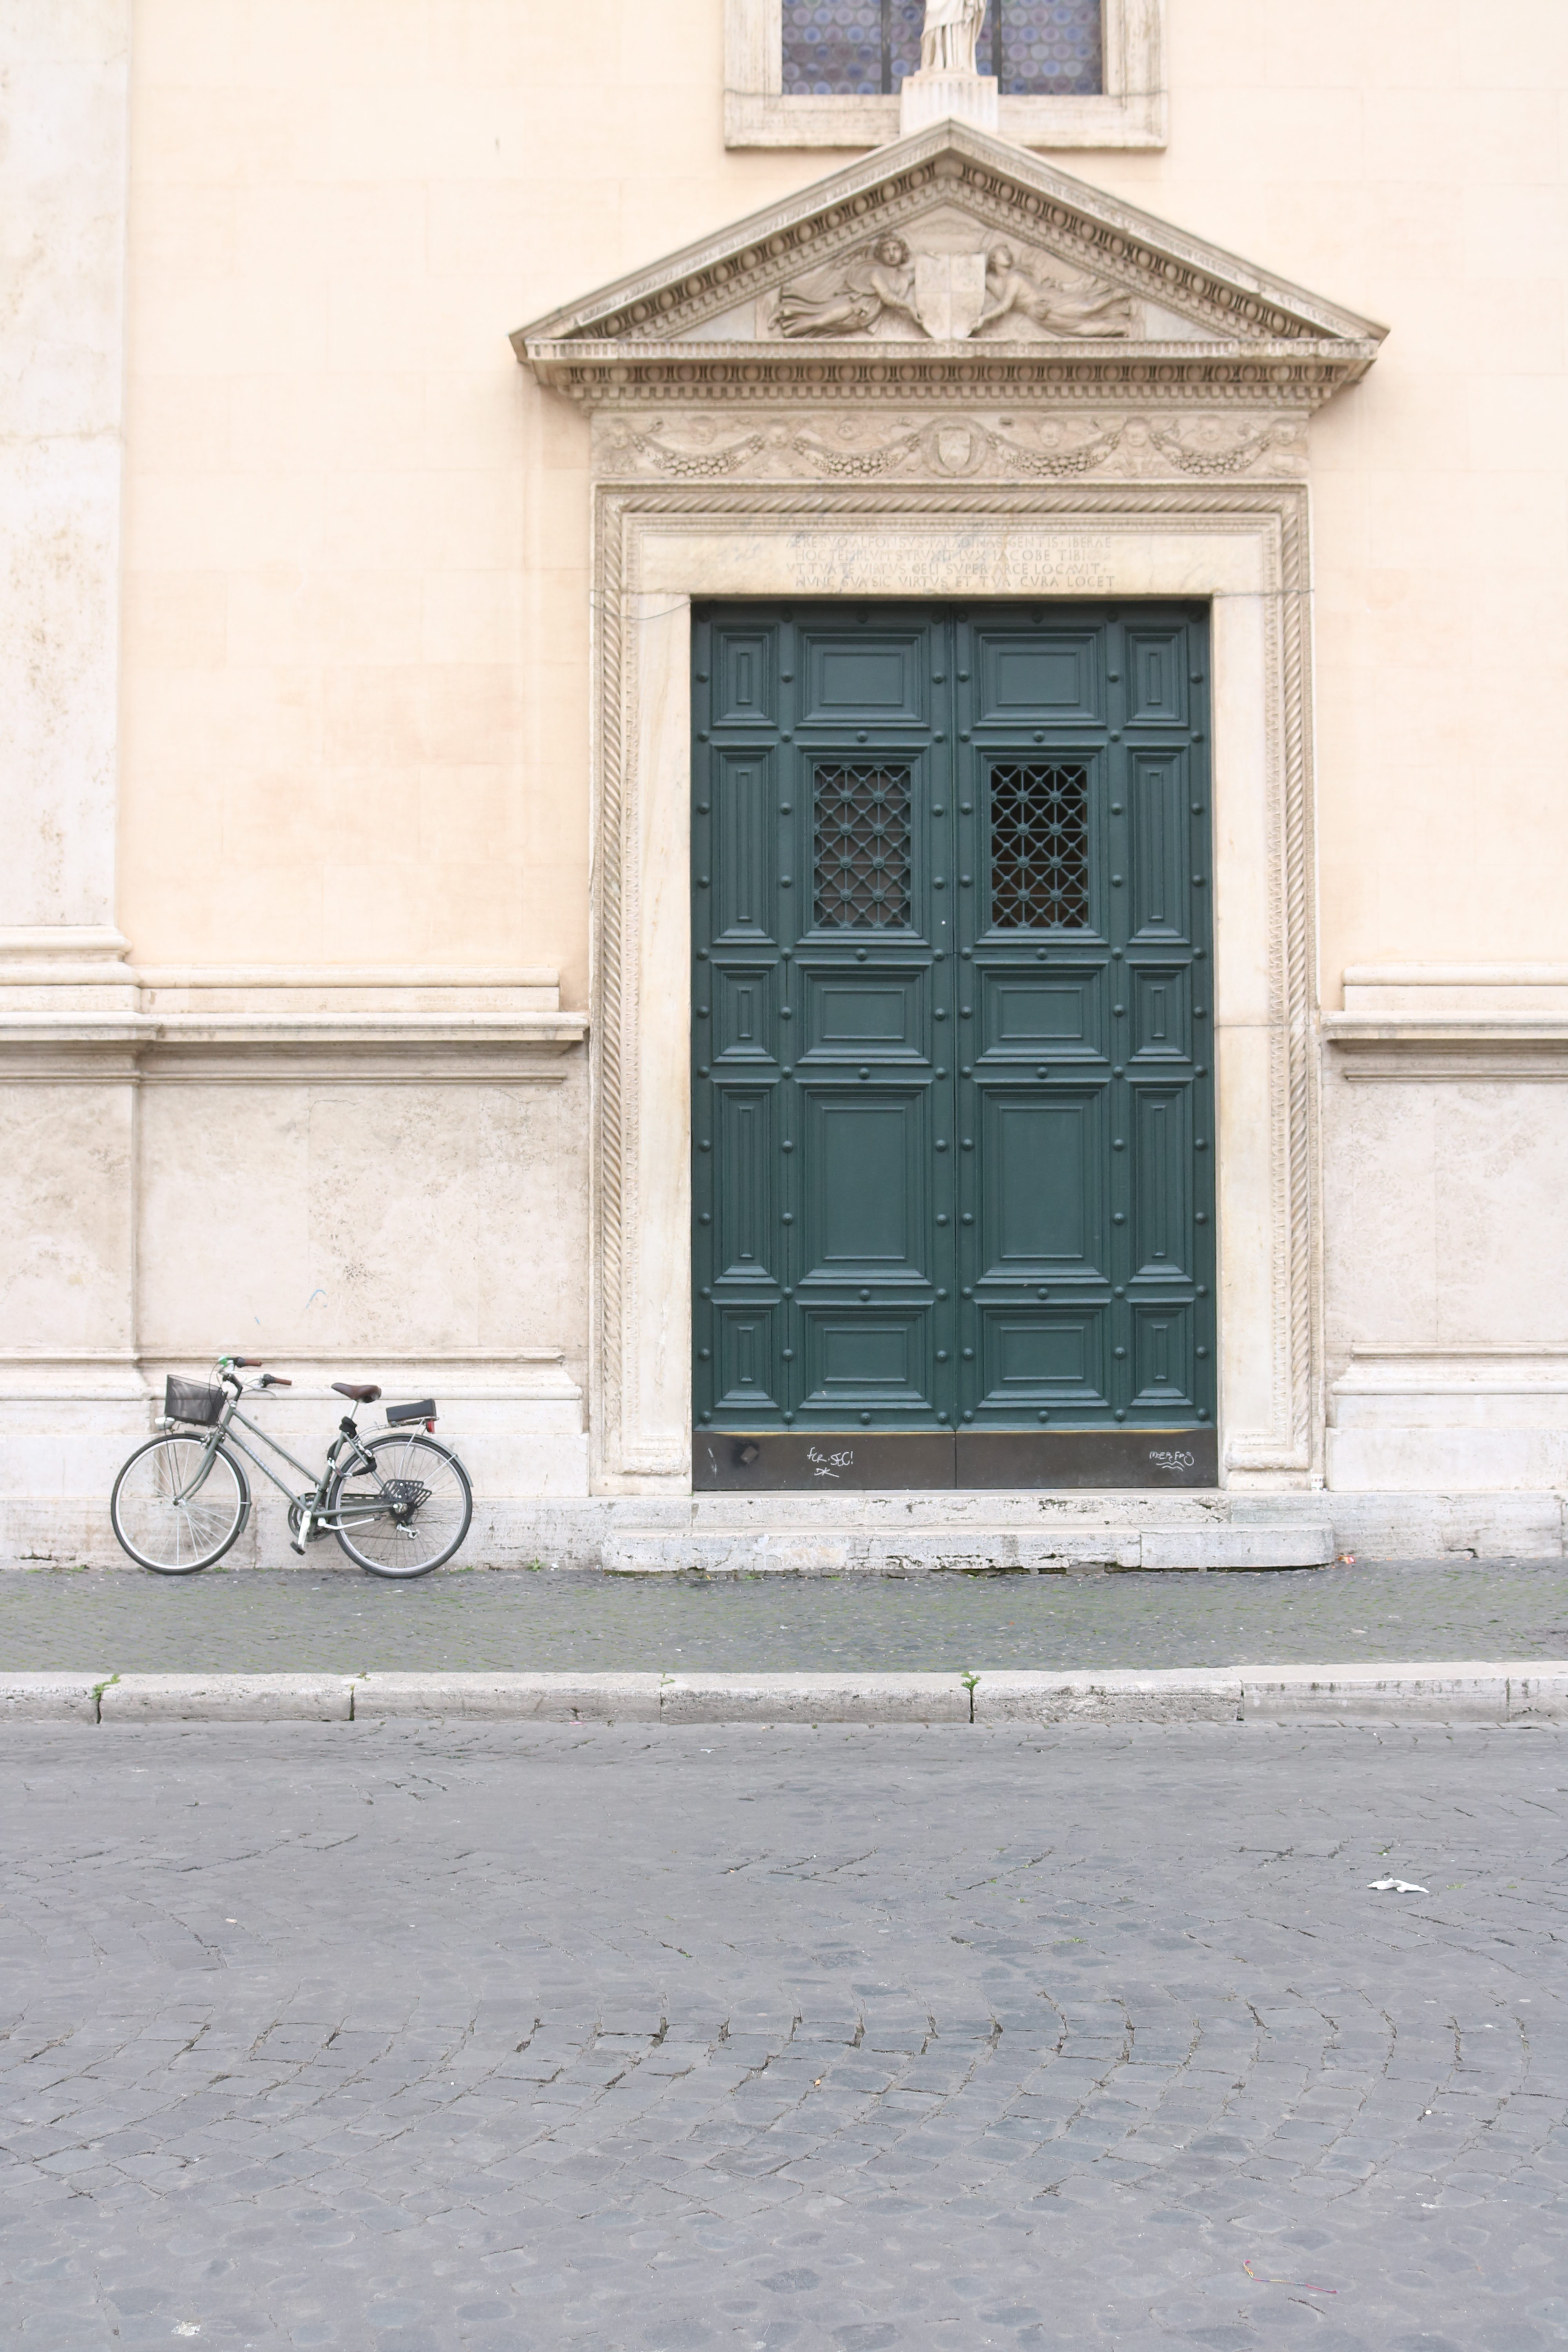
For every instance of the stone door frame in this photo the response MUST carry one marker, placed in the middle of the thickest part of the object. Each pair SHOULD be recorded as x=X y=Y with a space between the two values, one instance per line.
x=1243 y=548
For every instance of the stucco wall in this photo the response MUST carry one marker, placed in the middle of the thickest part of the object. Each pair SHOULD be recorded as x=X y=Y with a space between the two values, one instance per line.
x=356 y=603
x=62 y=237
x=347 y=685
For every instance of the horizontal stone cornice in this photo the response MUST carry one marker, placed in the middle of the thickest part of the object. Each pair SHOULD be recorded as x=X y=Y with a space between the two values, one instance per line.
x=1459 y=1047
x=410 y=1047
x=1300 y=374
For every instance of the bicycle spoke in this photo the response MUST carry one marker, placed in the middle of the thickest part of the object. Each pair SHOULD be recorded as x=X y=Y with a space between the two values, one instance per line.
x=164 y=1519
x=409 y=1515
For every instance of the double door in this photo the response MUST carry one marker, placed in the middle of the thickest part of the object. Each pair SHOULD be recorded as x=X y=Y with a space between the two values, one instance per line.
x=952 y=1093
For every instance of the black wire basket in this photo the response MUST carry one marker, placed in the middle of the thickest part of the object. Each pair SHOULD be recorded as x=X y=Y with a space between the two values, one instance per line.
x=192 y=1400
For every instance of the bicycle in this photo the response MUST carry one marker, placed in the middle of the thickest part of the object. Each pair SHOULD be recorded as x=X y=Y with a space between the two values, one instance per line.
x=181 y=1499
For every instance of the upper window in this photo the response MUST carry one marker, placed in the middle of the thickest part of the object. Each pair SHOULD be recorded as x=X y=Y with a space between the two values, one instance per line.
x=826 y=73
x=864 y=48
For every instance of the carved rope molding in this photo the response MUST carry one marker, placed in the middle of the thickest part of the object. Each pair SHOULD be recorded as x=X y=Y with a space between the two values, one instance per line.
x=1274 y=514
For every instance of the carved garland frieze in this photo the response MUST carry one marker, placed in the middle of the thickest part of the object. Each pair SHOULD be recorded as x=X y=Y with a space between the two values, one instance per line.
x=1107 y=445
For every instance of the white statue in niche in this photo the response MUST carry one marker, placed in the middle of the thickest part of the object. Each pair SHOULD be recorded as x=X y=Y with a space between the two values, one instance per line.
x=949 y=36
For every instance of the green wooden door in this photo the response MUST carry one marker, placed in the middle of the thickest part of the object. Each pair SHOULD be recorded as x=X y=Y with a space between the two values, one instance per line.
x=952 y=1093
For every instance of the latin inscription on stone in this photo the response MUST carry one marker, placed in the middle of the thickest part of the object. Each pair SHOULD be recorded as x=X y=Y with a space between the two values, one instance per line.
x=1077 y=564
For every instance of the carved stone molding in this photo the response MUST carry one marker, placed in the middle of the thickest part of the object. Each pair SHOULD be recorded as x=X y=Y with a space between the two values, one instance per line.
x=1449 y=1049
x=951 y=370
x=951 y=267
x=383 y=1048
x=73 y=1009
x=659 y=544
x=1105 y=441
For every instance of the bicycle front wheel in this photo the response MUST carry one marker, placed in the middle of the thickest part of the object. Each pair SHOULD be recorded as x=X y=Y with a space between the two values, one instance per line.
x=410 y=1514
x=166 y=1522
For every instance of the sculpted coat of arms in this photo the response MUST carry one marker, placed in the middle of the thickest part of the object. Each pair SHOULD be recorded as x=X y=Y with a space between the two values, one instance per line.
x=884 y=288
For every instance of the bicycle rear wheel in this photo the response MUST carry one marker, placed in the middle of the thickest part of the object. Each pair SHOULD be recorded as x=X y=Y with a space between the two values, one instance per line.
x=412 y=1515
x=162 y=1524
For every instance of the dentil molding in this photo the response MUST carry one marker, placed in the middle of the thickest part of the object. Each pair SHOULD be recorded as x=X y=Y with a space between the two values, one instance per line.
x=952 y=266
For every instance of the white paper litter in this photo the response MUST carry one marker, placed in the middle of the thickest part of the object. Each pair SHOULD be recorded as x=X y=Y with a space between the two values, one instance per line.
x=1396 y=1886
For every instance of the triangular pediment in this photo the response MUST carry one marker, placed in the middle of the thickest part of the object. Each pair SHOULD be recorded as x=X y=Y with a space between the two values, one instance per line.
x=945 y=248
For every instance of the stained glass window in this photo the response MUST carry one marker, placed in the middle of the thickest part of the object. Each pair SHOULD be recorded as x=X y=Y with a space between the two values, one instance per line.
x=1037 y=48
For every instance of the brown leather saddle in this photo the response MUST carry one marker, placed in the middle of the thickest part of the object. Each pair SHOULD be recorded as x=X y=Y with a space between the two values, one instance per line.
x=365 y=1394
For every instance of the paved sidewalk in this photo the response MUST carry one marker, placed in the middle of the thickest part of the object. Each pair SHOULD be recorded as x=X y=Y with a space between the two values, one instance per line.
x=441 y=2040
x=283 y=1621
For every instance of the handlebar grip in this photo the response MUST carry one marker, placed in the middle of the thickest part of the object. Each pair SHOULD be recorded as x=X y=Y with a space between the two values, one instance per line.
x=274 y=1381
x=247 y=1363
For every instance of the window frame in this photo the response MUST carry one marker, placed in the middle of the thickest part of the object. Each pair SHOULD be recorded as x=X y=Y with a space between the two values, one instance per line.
x=1131 y=111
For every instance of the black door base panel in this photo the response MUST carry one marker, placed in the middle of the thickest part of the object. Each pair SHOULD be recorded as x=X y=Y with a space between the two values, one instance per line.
x=768 y=1463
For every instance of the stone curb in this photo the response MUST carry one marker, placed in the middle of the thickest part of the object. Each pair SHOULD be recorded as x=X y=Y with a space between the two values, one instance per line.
x=50 y=1699
x=1465 y=1691
x=227 y=1698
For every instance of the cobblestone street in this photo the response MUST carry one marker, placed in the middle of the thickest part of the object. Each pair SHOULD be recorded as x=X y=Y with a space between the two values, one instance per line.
x=403 y=2039
x=118 y=1621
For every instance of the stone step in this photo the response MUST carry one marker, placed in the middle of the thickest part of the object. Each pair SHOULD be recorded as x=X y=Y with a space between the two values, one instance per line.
x=945 y=1508
x=828 y=1549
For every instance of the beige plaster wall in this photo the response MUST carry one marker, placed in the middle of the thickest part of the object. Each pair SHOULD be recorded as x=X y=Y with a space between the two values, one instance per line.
x=62 y=241
x=68 y=1262
x=355 y=696
x=345 y=1219
x=356 y=596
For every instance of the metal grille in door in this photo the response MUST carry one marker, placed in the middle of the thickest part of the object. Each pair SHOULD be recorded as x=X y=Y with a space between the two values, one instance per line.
x=1039 y=847
x=862 y=849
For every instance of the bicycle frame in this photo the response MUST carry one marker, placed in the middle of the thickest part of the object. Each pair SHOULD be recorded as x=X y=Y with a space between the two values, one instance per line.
x=315 y=1518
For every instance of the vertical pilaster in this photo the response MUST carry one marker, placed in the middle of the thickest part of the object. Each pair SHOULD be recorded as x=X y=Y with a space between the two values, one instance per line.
x=72 y=1393
x=63 y=175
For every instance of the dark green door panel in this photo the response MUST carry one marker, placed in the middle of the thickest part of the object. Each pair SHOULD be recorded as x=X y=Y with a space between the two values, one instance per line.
x=747 y=1236
x=743 y=882
x=863 y=1174
x=1026 y=674
x=1159 y=1167
x=1044 y=1356
x=1157 y=681
x=1161 y=904
x=745 y=687
x=1040 y=1166
x=870 y=1353
x=869 y=678
x=747 y=1349
x=953 y=1108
